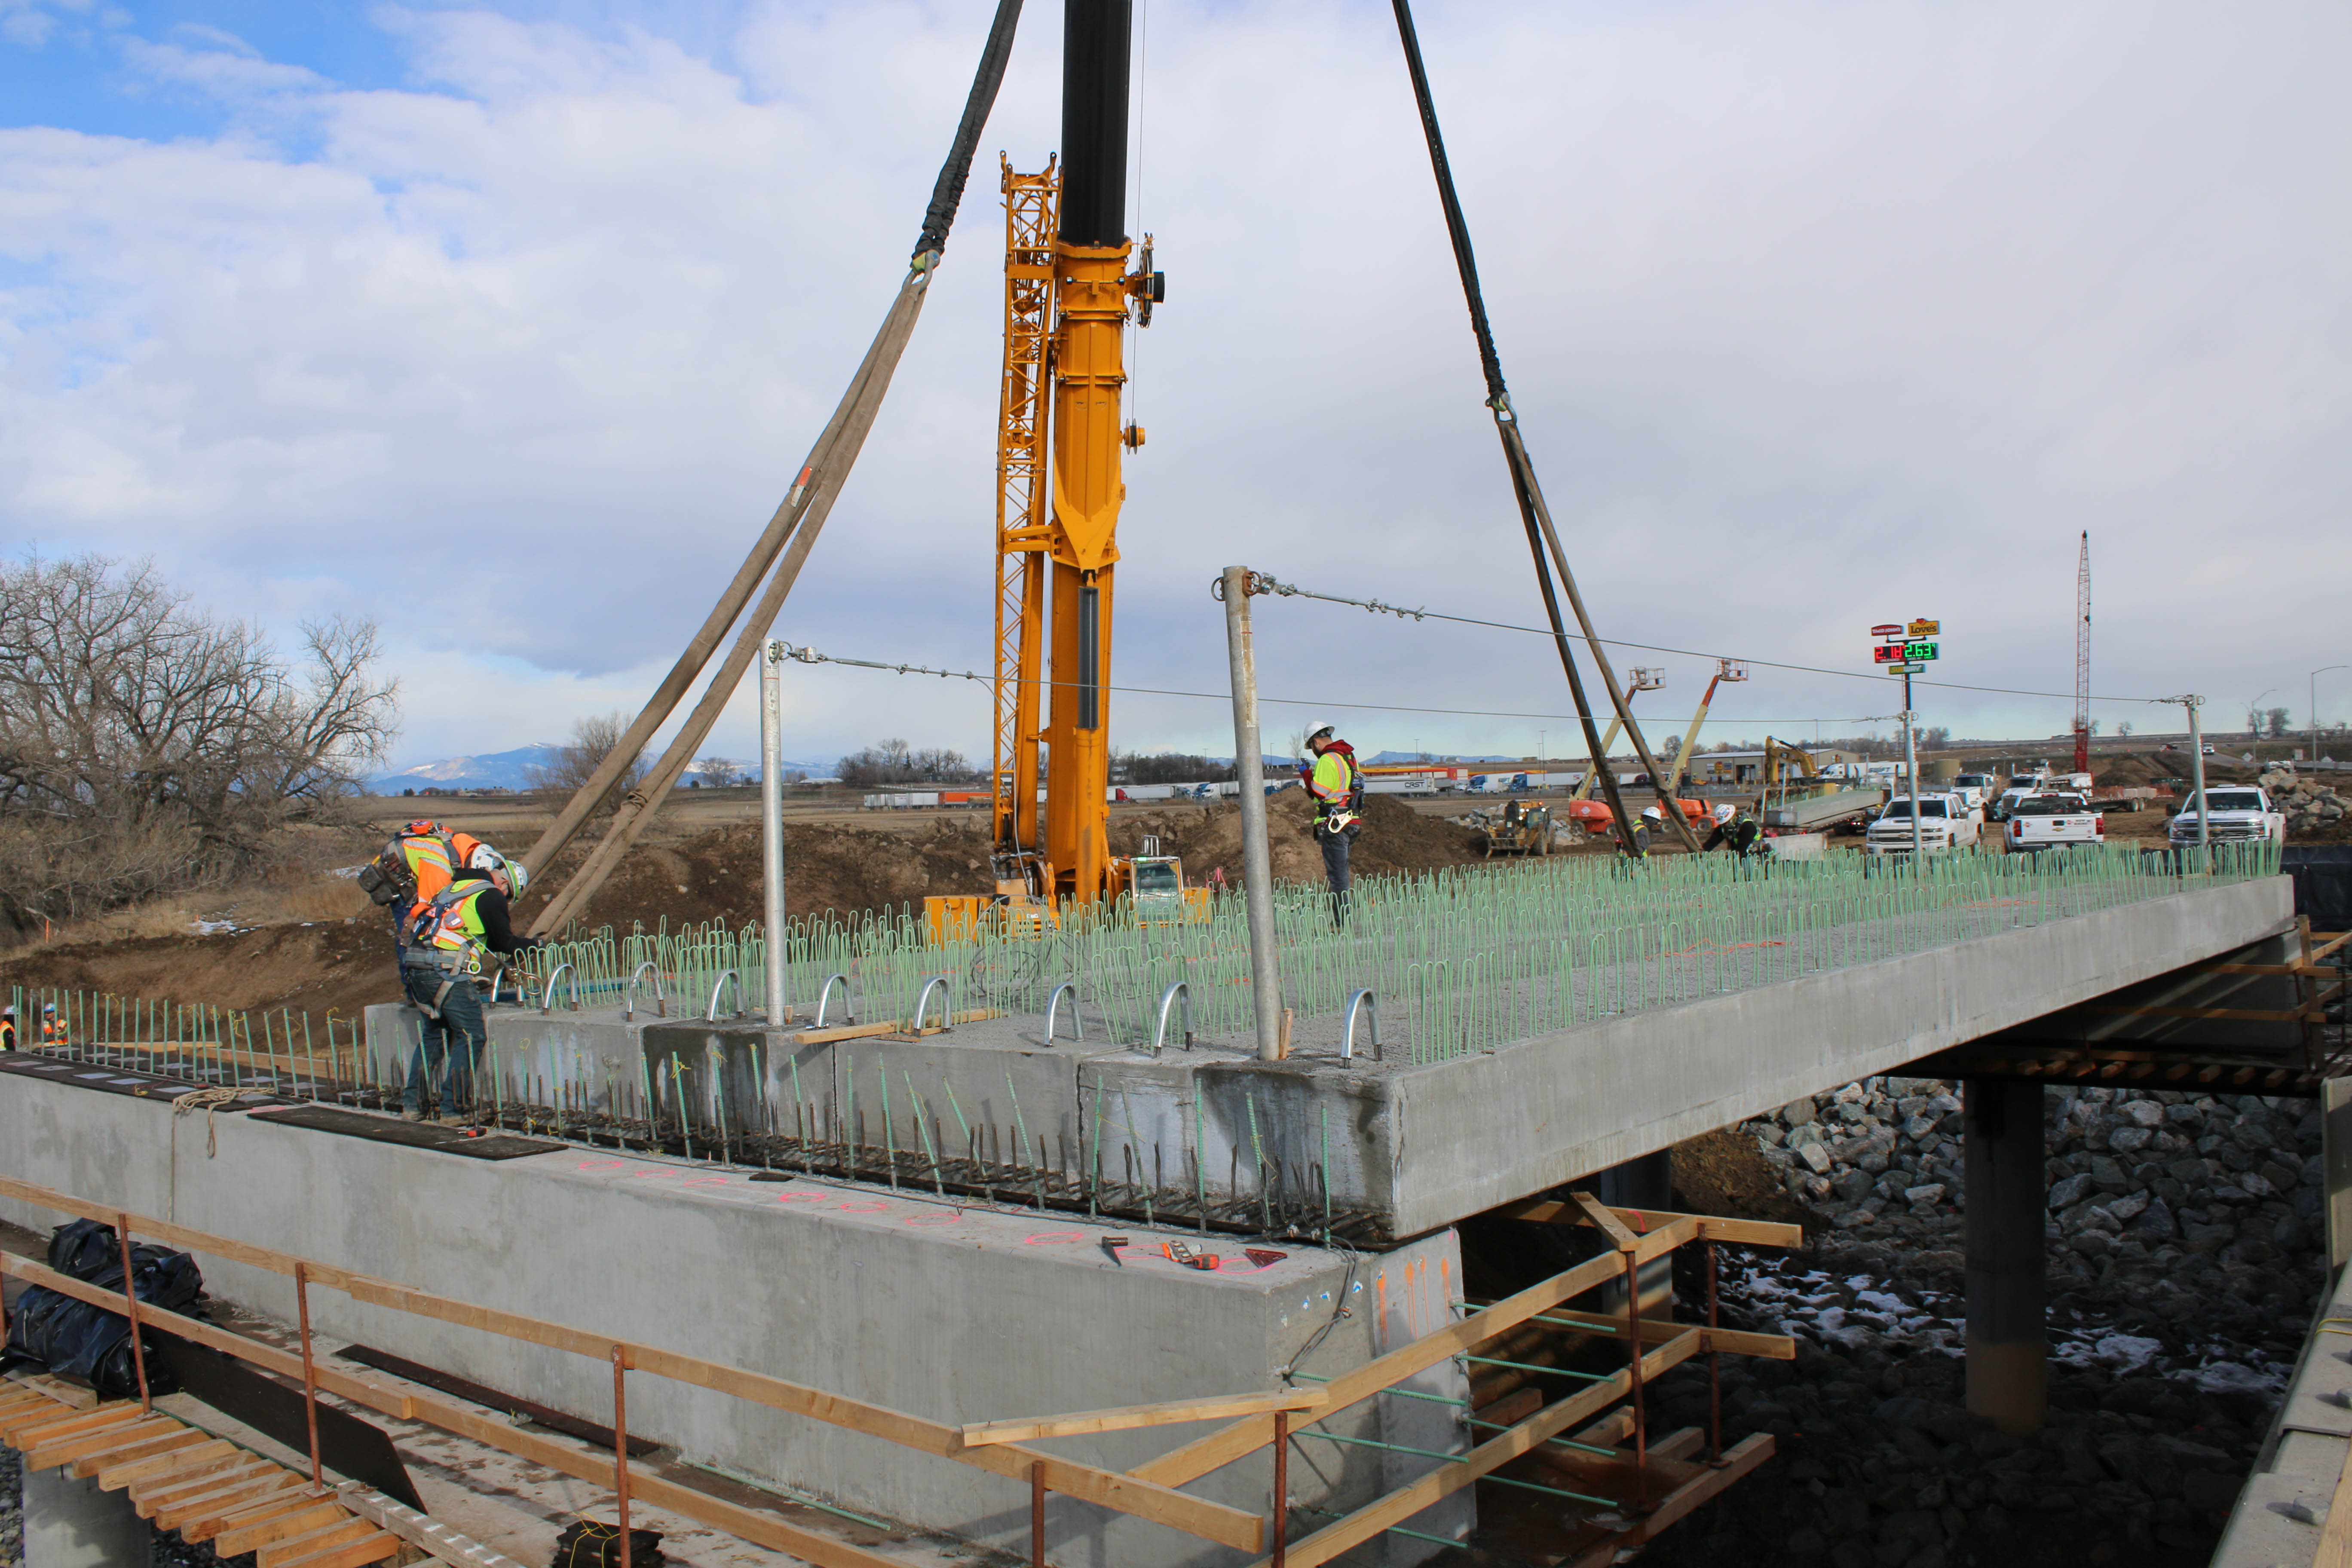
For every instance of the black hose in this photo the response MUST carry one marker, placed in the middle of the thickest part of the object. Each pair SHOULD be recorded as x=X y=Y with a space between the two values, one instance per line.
x=947 y=195
x=1514 y=453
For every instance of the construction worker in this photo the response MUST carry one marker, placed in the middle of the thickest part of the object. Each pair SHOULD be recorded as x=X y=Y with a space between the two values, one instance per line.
x=1653 y=821
x=1736 y=831
x=53 y=1028
x=421 y=859
x=452 y=930
x=1336 y=784
x=7 y=1029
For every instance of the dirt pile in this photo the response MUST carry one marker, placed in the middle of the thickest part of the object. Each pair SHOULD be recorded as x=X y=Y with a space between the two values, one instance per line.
x=1396 y=838
x=319 y=969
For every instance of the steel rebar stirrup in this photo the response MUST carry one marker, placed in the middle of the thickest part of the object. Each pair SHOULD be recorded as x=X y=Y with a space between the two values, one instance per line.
x=1053 y=1004
x=1167 y=999
x=1368 y=1002
x=547 y=991
x=923 y=1002
x=629 y=997
x=726 y=978
x=848 y=1000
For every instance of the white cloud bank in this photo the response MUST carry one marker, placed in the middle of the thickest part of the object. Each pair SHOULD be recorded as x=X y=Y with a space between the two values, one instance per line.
x=1817 y=315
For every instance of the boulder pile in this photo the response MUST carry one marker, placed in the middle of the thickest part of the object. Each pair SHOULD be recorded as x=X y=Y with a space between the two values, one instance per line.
x=2309 y=805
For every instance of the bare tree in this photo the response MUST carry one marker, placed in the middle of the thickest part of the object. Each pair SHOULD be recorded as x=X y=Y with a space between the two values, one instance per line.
x=718 y=773
x=894 y=761
x=2278 y=718
x=146 y=746
x=572 y=765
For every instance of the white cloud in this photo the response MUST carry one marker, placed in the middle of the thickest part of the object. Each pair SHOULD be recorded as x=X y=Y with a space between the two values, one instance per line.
x=1816 y=315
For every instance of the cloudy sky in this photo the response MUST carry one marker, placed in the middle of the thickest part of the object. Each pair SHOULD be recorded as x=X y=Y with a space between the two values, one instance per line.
x=508 y=326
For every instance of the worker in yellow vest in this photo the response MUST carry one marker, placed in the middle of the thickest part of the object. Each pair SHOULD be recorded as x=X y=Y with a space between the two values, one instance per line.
x=1336 y=784
x=446 y=939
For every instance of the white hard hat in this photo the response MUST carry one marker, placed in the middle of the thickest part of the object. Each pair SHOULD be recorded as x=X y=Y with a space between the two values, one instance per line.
x=1726 y=813
x=1652 y=813
x=485 y=859
x=1319 y=727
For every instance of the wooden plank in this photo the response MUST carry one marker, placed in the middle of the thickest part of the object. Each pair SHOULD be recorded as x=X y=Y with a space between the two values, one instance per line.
x=177 y=1235
x=172 y=1443
x=1166 y=1412
x=1656 y=1331
x=1407 y=1500
x=377 y=1547
x=231 y=1515
x=1737 y=1461
x=345 y=1529
x=1597 y=1214
x=190 y=1464
x=243 y=1470
x=2330 y=941
x=243 y=1491
x=114 y=1474
x=1711 y=1228
x=863 y=1031
x=428 y=1535
x=29 y=1431
x=323 y=1513
x=1250 y=1432
x=73 y=1395
x=52 y=1454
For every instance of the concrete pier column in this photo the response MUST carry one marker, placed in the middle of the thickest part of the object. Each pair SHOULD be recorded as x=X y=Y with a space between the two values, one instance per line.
x=2008 y=1348
x=72 y=1524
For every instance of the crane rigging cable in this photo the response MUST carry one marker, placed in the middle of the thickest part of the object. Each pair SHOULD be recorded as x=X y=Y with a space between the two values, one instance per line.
x=1542 y=538
x=791 y=534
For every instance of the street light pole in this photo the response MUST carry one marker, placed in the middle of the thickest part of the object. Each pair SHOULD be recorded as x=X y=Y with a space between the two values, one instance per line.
x=2315 y=674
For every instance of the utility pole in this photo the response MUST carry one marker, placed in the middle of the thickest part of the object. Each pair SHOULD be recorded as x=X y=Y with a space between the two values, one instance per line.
x=2197 y=780
x=1257 y=861
x=2314 y=715
x=771 y=825
x=1911 y=768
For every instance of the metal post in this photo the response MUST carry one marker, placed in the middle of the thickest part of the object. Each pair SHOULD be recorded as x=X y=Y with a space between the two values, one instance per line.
x=1281 y=1487
x=621 y=1444
x=1037 y=1514
x=771 y=825
x=1257 y=862
x=1911 y=767
x=2197 y=776
x=1633 y=1378
x=1714 y=1367
x=130 y=1307
x=309 y=1369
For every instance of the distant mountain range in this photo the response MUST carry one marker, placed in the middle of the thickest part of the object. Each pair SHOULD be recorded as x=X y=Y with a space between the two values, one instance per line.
x=511 y=770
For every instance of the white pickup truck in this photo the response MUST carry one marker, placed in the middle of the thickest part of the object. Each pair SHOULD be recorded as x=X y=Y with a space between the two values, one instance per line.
x=2054 y=819
x=1945 y=822
x=2237 y=812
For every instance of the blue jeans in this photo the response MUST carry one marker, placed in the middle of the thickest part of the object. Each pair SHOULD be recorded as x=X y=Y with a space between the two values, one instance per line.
x=441 y=1073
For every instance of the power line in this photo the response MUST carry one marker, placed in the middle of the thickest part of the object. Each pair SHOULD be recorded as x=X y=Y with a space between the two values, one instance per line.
x=1270 y=585
x=802 y=655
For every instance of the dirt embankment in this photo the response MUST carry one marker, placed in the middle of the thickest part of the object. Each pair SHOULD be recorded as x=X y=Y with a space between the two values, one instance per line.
x=322 y=970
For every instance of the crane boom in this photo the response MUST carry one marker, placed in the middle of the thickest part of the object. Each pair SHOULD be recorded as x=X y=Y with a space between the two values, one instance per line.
x=1030 y=205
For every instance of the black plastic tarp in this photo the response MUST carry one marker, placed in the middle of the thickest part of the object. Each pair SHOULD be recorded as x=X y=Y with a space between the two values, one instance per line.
x=2323 y=883
x=81 y=1340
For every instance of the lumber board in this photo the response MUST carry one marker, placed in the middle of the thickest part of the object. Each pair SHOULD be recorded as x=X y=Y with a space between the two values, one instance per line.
x=321 y=1514
x=88 y=1464
x=1408 y=1500
x=1711 y=1228
x=342 y=1532
x=249 y=1471
x=116 y=1474
x=225 y=1516
x=426 y=1534
x=244 y=1492
x=377 y=1547
x=1596 y=1214
x=864 y=1031
x=1727 y=1342
x=31 y=1431
x=119 y=1436
x=1127 y=1418
x=73 y=1395
x=1250 y=1432
x=163 y=1482
x=1737 y=1460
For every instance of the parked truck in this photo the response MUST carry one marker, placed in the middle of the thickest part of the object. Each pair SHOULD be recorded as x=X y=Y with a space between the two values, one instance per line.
x=1946 y=822
x=2237 y=812
x=2053 y=819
